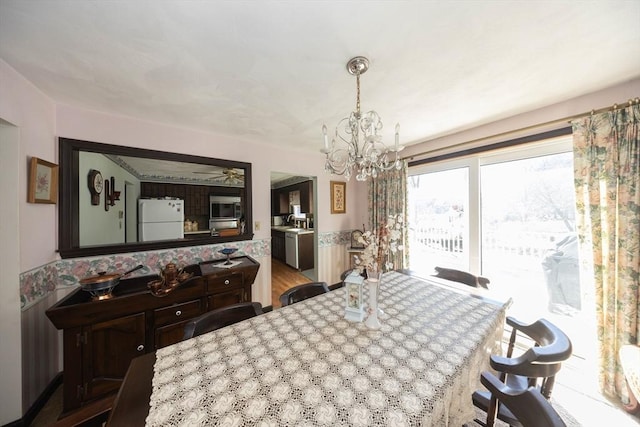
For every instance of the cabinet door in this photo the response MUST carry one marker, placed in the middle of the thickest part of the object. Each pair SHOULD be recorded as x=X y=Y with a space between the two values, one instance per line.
x=169 y=335
x=305 y=252
x=169 y=322
x=283 y=202
x=277 y=245
x=108 y=350
x=228 y=297
x=279 y=248
x=306 y=197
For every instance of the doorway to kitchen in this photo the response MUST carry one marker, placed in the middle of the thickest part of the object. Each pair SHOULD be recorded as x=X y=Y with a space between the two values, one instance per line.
x=294 y=241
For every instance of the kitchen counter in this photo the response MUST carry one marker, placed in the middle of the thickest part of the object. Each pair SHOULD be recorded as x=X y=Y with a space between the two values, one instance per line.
x=198 y=232
x=290 y=229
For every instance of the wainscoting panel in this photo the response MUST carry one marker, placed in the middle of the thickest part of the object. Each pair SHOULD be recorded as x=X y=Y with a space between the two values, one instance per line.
x=41 y=350
x=261 y=289
x=333 y=261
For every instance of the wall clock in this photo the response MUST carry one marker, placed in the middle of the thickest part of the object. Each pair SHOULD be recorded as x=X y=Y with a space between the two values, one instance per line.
x=96 y=184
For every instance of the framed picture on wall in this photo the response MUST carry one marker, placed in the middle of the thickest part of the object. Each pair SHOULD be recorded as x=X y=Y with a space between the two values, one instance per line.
x=43 y=181
x=338 y=197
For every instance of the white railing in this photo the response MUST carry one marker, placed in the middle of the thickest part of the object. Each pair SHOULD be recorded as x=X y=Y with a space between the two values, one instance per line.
x=442 y=239
x=449 y=239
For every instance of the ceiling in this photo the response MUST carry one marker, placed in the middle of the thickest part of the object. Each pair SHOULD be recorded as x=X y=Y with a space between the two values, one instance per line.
x=155 y=170
x=274 y=71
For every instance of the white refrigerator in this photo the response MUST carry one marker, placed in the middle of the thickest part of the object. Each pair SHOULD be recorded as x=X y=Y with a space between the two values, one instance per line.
x=160 y=219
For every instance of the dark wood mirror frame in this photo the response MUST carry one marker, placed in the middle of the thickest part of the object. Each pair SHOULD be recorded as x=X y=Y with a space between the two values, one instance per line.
x=69 y=187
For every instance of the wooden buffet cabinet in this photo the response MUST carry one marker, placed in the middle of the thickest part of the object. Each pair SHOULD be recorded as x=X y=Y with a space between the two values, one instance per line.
x=100 y=338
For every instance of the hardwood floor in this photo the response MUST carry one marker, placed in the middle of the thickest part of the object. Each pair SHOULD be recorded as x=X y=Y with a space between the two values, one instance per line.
x=283 y=277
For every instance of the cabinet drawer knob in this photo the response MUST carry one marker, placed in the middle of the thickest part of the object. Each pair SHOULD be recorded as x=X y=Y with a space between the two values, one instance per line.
x=226 y=281
x=140 y=347
x=178 y=313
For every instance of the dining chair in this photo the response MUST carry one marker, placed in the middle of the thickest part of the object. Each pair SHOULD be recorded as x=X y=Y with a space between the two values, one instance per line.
x=348 y=272
x=462 y=277
x=528 y=406
x=221 y=317
x=536 y=367
x=302 y=292
x=345 y=274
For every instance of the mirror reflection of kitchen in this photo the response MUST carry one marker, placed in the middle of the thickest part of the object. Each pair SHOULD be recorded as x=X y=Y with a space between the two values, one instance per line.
x=294 y=241
x=158 y=200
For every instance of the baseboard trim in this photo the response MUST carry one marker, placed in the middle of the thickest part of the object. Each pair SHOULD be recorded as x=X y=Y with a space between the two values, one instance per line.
x=37 y=406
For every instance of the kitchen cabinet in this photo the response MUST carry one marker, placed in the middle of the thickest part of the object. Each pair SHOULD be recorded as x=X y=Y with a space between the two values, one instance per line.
x=196 y=197
x=301 y=193
x=277 y=245
x=299 y=249
x=305 y=251
x=100 y=338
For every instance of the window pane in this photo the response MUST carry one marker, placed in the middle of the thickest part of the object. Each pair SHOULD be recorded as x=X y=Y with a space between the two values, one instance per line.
x=529 y=244
x=438 y=212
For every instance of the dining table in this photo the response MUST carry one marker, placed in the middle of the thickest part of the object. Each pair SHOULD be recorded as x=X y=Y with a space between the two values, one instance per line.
x=306 y=365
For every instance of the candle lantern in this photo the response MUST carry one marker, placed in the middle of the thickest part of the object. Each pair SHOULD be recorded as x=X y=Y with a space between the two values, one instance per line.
x=354 y=304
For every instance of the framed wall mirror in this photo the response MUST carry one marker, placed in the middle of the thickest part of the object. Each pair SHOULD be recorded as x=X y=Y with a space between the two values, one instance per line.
x=115 y=199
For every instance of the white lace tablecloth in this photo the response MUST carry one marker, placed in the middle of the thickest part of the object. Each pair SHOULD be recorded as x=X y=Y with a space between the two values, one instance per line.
x=305 y=365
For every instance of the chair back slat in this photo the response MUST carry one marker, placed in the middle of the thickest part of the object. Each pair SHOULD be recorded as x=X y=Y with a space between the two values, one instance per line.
x=221 y=317
x=302 y=292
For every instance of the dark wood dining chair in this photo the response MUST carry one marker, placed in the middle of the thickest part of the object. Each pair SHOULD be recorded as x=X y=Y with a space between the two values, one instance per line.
x=221 y=317
x=345 y=274
x=528 y=406
x=302 y=292
x=536 y=367
x=462 y=277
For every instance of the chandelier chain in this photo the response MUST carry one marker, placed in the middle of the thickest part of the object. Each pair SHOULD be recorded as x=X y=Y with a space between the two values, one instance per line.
x=358 y=93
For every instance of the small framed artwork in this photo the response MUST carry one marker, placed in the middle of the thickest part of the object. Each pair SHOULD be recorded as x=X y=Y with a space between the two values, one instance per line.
x=338 y=197
x=43 y=181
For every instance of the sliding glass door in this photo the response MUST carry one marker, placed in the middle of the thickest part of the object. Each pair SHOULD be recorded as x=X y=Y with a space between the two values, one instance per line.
x=438 y=219
x=508 y=216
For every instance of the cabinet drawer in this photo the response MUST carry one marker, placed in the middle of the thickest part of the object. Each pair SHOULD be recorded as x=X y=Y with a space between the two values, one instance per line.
x=220 y=284
x=177 y=313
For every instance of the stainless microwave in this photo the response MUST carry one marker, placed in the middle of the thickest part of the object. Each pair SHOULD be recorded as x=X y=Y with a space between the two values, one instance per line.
x=225 y=207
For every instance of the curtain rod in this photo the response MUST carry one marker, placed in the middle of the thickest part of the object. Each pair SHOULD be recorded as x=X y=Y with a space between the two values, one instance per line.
x=506 y=134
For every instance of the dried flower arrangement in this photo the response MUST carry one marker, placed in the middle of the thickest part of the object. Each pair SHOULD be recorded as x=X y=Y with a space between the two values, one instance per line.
x=379 y=244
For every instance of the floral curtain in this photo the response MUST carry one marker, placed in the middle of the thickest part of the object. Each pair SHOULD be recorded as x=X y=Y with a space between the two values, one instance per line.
x=388 y=196
x=607 y=182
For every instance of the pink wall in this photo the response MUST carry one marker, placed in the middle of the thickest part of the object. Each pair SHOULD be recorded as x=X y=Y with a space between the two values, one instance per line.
x=24 y=106
x=33 y=116
x=532 y=122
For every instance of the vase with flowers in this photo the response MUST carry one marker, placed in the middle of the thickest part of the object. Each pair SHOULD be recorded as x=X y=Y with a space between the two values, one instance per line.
x=377 y=258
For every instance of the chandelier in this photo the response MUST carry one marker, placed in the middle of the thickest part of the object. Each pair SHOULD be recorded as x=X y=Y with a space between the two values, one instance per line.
x=357 y=146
